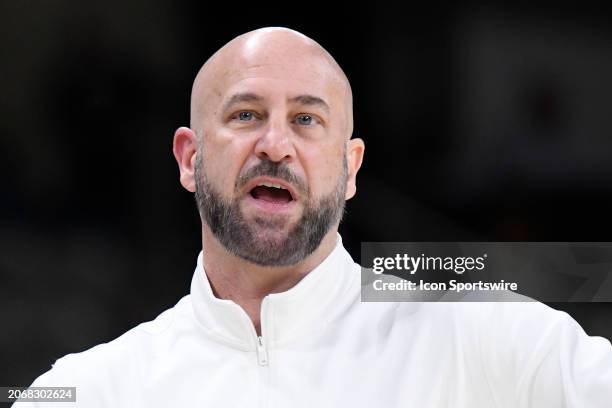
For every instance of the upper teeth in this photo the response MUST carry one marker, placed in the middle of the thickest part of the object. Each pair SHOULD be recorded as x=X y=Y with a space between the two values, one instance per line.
x=270 y=185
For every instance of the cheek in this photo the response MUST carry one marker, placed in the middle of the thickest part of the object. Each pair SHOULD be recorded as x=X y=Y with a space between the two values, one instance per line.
x=223 y=159
x=323 y=167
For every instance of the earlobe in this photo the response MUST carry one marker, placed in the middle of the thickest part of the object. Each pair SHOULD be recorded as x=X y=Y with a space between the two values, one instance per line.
x=354 y=158
x=185 y=148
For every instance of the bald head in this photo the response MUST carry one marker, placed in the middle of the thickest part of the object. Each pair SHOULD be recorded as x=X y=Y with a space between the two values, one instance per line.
x=275 y=52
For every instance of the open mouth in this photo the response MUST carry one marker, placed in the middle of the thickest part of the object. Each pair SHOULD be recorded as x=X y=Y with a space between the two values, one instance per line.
x=271 y=193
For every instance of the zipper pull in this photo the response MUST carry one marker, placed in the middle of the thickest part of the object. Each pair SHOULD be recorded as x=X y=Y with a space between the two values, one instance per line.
x=262 y=354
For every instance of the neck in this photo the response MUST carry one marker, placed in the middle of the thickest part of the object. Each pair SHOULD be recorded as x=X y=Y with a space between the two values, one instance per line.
x=245 y=283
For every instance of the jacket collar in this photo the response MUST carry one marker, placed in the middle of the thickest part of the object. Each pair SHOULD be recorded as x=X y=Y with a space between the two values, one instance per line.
x=284 y=315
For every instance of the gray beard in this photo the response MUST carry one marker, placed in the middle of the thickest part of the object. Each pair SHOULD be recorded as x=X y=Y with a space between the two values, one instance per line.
x=242 y=238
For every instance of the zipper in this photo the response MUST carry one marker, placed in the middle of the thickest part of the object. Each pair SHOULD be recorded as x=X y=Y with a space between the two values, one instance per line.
x=262 y=368
x=262 y=353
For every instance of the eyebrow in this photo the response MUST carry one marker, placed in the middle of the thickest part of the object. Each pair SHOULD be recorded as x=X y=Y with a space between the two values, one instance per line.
x=309 y=100
x=242 y=97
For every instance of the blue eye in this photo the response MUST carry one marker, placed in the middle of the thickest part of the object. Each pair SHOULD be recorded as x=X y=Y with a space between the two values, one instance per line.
x=245 y=116
x=305 y=119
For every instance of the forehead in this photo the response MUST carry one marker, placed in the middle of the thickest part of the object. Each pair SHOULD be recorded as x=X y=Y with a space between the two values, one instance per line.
x=282 y=79
x=273 y=68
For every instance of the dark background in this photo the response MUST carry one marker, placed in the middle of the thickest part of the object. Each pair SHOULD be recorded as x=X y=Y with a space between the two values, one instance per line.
x=481 y=123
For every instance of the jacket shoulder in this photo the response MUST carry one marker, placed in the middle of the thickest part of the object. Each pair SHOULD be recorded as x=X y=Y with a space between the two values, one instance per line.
x=101 y=371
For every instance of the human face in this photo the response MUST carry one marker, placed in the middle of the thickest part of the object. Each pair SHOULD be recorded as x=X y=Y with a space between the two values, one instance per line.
x=274 y=124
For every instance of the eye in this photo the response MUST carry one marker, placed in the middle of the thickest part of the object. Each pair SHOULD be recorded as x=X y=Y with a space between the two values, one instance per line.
x=305 y=120
x=245 y=116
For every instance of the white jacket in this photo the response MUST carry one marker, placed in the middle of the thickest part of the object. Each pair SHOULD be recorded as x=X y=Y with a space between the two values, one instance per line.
x=322 y=347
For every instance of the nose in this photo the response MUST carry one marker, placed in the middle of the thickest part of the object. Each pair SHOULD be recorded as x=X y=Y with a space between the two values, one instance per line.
x=276 y=142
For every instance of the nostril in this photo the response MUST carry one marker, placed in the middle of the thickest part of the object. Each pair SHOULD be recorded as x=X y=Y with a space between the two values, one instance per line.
x=275 y=149
x=264 y=155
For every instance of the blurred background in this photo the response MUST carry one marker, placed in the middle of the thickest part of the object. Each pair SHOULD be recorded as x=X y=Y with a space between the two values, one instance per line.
x=482 y=123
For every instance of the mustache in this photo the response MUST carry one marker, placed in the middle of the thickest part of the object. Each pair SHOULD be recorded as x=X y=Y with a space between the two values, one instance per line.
x=272 y=169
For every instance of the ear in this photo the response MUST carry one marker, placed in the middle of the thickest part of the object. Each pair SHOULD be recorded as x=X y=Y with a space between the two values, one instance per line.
x=354 y=157
x=185 y=149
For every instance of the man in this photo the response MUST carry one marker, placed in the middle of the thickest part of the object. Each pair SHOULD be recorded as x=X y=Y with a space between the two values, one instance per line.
x=274 y=317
